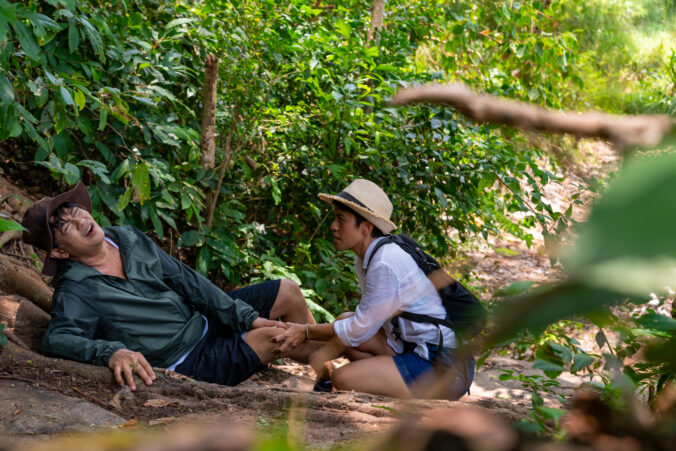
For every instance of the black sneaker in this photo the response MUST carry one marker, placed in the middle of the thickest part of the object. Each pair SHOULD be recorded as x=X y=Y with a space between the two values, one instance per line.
x=323 y=385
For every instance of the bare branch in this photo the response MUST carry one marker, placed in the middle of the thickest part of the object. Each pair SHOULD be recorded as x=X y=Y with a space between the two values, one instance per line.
x=623 y=131
x=224 y=166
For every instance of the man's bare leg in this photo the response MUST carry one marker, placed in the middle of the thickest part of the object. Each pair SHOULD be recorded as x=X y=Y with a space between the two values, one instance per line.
x=378 y=375
x=290 y=305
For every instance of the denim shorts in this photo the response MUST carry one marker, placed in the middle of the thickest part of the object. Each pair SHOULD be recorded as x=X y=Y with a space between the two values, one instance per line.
x=223 y=356
x=411 y=367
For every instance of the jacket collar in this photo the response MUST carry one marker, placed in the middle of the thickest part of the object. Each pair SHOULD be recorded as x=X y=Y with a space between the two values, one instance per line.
x=78 y=271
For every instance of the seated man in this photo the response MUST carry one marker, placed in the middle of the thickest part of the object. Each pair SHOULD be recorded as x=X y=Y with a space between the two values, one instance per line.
x=389 y=357
x=121 y=301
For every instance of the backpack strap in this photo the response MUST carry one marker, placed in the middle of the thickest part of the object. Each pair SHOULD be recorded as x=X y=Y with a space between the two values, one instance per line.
x=439 y=279
x=387 y=239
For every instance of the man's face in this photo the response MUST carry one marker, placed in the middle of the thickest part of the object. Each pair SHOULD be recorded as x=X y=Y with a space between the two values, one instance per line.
x=77 y=234
x=346 y=233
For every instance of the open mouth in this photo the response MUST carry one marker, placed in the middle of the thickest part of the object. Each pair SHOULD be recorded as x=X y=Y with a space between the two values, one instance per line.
x=89 y=230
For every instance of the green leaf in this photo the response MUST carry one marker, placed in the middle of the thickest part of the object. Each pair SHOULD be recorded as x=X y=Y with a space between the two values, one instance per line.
x=157 y=224
x=642 y=185
x=276 y=192
x=6 y=90
x=7 y=12
x=601 y=339
x=3 y=337
x=581 y=361
x=65 y=95
x=140 y=180
x=514 y=289
x=27 y=41
x=97 y=168
x=442 y=197
x=60 y=118
x=562 y=351
x=189 y=238
x=202 y=262
x=6 y=225
x=73 y=38
x=177 y=22
x=103 y=118
x=123 y=201
x=72 y=173
x=79 y=99
x=93 y=37
x=657 y=322
x=550 y=412
x=316 y=308
x=549 y=368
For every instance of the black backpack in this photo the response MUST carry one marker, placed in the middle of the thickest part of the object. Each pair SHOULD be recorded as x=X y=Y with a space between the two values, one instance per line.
x=464 y=313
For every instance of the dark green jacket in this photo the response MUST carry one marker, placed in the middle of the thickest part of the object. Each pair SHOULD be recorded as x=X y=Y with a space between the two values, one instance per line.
x=157 y=311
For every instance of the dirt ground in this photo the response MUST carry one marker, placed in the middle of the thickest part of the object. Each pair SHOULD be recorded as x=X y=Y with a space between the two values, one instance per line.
x=38 y=403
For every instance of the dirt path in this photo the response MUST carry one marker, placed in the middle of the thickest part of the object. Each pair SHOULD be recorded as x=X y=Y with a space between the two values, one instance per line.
x=327 y=418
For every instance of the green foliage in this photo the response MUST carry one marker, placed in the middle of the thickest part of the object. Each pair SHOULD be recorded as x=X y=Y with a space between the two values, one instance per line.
x=3 y=337
x=109 y=92
x=626 y=59
x=540 y=415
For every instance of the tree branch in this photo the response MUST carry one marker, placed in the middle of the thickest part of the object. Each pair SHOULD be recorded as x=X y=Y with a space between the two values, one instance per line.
x=624 y=132
x=224 y=166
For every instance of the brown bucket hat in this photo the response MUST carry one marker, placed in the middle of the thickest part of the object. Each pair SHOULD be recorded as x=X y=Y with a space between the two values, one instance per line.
x=36 y=222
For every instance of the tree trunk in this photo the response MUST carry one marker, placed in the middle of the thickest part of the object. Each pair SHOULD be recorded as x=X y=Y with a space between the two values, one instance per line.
x=377 y=15
x=209 y=97
x=25 y=282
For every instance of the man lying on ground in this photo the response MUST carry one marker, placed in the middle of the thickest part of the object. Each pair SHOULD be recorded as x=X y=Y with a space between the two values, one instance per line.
x=121 y=301
x=390 y=355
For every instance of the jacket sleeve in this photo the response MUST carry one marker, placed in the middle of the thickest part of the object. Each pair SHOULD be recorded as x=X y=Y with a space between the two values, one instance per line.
x=70 y=332
x=206 y=297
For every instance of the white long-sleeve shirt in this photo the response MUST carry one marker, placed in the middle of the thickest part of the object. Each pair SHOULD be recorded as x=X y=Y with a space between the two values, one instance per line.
x=394 y=283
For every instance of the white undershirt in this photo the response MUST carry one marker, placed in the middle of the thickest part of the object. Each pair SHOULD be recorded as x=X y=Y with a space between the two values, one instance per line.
x=394 y=283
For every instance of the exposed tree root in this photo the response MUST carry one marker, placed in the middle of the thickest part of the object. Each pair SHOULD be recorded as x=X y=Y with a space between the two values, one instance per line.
x=25 y=282
x=24 y=320
x=10 y=235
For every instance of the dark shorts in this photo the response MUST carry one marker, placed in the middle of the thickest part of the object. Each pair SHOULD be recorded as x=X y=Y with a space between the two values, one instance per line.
x=224 y=357
x=412 y=367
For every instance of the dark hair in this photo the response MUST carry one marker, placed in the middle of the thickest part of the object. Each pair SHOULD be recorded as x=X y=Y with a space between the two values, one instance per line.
x=57 y=221
x=375 y=232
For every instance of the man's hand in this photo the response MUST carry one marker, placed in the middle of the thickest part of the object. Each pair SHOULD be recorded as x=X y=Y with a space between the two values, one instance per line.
x=127 y=362
x=264 y=322
x=293 y=336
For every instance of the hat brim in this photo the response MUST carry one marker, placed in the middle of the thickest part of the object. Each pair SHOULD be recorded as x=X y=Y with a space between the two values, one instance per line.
x=384 y=224
x=78 y=195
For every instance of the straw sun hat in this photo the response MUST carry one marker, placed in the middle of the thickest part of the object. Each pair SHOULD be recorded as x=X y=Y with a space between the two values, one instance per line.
x=367 y=199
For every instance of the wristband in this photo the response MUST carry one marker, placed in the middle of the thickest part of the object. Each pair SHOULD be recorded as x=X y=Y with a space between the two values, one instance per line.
x=307 y=331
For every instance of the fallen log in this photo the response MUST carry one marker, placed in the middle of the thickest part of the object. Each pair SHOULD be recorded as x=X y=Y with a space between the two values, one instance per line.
x=18 y=279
